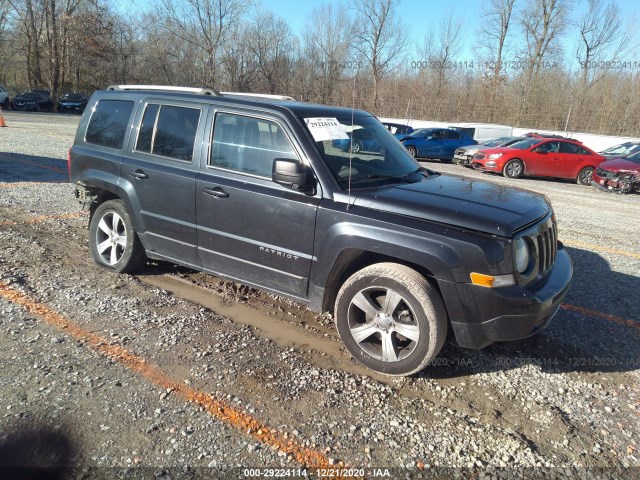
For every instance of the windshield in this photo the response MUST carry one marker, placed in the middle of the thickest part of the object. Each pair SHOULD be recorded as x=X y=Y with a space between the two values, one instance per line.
x=526 y=144
x=74 y=97
x=374 y=154
x=495 y=142
x=634 y=158
x=622 y=149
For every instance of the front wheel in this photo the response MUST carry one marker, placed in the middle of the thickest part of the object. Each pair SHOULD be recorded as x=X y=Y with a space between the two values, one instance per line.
x=584 y=177
x=113 y=241
x=513 y=169
x=391 y=319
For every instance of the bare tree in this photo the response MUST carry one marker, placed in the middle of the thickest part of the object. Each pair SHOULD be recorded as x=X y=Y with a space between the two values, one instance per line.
x=603 y=38
x=272 y=44
x=496 y=26
x=205 y=24
x=381 y=39
x=447 y=50
x=327 y=43
x=542 y=21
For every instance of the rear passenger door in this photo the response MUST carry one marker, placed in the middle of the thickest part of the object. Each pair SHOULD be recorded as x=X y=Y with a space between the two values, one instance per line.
x=250 y=228
x=572 y=159
x=452 y=140
x=161 y=171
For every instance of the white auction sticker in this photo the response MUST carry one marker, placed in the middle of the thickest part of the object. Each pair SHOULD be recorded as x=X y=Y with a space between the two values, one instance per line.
x=324 y=129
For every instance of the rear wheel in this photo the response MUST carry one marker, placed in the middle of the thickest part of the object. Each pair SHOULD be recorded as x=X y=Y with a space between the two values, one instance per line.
x=356 y=146
x=5 y=104
x=513 y=169
x=584 y=177
x=113 y=241
x=412 y=151
x=391 y=319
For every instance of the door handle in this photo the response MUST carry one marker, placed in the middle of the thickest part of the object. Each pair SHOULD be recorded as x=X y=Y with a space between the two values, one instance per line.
x=216 y=192
x=138 y=174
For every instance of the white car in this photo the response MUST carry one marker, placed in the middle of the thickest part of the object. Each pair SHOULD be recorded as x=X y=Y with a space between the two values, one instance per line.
x=4 y=98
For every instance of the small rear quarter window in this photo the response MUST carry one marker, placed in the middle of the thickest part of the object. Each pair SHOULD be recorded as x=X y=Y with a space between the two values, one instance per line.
x=108 y=124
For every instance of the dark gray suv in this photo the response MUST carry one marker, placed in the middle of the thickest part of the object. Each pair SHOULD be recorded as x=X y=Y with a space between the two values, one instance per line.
x=260 y=192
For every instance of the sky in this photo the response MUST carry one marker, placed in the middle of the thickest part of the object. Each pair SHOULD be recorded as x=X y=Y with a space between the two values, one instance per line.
x=419 y=16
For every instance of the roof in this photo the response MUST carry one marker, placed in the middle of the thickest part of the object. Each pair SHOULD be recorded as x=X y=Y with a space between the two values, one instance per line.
x=300 y=109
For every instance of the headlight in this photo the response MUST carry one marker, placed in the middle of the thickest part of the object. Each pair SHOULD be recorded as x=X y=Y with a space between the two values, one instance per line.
x=521 y=254
x=493 y=156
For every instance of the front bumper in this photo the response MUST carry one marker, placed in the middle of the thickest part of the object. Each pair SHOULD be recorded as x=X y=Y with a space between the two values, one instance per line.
x=481 y=166
x=487 y=315
x=462 y=159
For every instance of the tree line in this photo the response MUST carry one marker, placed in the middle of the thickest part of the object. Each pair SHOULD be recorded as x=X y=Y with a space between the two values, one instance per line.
x=546 y=64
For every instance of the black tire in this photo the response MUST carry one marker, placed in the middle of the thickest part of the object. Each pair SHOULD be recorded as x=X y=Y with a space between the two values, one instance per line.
x=356 y=146
x=412 y=151
x=416 y=309
x=513 y=168
x=5 y=105
x=120 y=255
x=584 y=177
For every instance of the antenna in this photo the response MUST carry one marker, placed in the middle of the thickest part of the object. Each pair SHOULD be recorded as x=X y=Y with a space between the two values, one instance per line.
x=353 y=108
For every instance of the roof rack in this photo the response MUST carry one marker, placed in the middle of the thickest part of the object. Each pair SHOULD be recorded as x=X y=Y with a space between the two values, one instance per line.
x=165 y=88
x=258 y=95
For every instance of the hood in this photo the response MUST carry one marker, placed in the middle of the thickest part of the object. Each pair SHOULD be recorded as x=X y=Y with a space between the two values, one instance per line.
x=405 y=137
x=469 y=149
x=460 y=201
x=619 y=164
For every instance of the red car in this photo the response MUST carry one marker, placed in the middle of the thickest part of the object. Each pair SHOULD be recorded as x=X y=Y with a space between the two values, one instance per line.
x=541 y=157
x=618 y=175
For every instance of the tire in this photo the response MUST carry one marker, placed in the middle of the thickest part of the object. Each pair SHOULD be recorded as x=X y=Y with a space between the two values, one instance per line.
x=412 y=151
x=513 y=168
x=356 y=146
x=584 y=177
x=5 y=104
x=417 y=310
x=113 y=241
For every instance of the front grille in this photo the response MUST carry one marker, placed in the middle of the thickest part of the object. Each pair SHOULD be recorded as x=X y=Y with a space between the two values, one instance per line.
x=542 y=237
x=606 y=174
x=547 y=243
x=479 y=156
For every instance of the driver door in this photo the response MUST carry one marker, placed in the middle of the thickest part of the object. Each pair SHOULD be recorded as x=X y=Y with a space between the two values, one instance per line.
x=543 y=159
x=250 y=228
x=432 y=144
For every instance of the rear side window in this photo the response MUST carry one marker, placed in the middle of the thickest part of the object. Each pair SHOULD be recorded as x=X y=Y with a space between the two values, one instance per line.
x=452 y=135
x=108 y=124
x=168 y=131
x=567 y=147
x=248 y=145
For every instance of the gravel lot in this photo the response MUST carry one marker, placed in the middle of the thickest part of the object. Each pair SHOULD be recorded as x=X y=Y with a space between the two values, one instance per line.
x=286 y=391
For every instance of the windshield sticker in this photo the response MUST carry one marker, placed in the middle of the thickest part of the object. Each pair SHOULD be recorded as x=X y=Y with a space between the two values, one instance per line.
x=324 y=129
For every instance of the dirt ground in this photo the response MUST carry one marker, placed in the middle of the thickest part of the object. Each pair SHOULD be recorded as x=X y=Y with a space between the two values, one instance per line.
x=178 y=374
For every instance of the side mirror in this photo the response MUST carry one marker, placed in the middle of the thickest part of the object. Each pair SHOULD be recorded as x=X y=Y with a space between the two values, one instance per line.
x=293 y=174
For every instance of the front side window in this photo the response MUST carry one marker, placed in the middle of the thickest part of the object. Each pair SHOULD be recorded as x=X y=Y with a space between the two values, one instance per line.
x=108 y=124
x=361 y=152
x=248 y=145
x=168 y=131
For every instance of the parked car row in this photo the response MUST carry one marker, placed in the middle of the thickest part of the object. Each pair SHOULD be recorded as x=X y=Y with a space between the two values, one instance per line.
x=614 y=169
x=40 y=100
